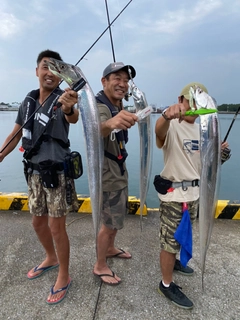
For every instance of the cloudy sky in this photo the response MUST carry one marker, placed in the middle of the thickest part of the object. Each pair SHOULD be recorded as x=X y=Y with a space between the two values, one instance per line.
x=169 y=42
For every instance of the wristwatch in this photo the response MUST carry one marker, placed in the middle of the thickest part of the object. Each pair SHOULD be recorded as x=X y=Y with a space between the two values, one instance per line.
x=70 y=113
x=164 y=116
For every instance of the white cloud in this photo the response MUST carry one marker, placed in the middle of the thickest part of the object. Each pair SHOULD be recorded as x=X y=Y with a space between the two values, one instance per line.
x=168 y=42
x=9 y=25
x=174 y=21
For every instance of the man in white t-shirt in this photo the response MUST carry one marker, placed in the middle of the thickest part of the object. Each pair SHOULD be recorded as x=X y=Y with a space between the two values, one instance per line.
x=178 y=137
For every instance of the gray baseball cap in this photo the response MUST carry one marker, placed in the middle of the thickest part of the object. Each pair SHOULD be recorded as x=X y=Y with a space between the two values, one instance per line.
x=116 y=66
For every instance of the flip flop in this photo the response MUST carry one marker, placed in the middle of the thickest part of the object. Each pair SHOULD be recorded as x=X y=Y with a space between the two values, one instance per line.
x=118 y=255
x=43 y=270
x=108 y=275
x=65 y=289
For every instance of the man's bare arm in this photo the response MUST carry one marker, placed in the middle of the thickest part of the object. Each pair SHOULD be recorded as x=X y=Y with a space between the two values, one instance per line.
x=12 y=144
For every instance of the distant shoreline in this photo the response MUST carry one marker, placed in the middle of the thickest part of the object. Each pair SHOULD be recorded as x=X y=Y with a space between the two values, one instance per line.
x=226 y=112
x=158 y=112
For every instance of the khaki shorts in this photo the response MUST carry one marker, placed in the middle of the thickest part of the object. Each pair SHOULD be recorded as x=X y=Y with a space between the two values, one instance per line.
x=50 y=201
x=115 y=207
x=170 y=217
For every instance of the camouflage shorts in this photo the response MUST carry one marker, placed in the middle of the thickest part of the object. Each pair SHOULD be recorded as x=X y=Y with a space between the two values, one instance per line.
x=115 y=207
x=50 y=201
x=170 y=217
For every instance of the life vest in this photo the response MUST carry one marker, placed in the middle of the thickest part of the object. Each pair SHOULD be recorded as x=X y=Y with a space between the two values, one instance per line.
x=121 y=136
x=29 y=107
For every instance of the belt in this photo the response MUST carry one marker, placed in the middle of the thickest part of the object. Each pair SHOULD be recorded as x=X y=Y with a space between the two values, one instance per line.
x=184 y=184
x=59 y=166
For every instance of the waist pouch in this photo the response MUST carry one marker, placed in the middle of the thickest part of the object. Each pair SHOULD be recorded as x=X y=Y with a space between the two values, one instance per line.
x=73 y=165
x=161 y=185
x=48 y=172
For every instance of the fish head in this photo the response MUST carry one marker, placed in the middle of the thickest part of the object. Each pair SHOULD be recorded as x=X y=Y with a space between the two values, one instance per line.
x=201 y=99
x=192 y=97
x=135 y=91
x=65 y=71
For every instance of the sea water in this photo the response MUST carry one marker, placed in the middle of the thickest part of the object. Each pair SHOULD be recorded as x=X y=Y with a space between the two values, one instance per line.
x=12 y=177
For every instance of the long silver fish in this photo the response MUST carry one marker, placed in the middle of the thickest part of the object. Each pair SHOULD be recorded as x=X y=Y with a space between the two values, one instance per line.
x=74 y=76
x=210 y=153
x=145 y=133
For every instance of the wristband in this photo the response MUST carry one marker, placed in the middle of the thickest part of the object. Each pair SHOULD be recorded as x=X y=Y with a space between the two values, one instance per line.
x=164 y=116
x=70 y=113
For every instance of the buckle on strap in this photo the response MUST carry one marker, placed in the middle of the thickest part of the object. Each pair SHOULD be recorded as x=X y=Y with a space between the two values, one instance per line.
x=185 y=184
x=195 y=183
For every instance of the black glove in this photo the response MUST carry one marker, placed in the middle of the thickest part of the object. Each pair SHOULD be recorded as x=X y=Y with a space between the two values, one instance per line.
x=225 y=155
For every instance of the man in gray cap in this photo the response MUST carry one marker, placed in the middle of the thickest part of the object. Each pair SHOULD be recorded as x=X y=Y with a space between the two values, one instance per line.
x=117 y=66
x=115 y=176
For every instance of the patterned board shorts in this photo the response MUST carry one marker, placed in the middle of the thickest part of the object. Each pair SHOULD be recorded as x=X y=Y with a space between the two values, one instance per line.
x=170 y=217
x=115 y=207
x=50 y=201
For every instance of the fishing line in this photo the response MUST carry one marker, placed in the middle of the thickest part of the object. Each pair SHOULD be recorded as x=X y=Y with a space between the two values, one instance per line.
x=104 y=31
x=230 y=127
x=84 y=216
x=110 y=31
x=32 y=115
x=98 y=297
x=114 y=59
x=100 y=287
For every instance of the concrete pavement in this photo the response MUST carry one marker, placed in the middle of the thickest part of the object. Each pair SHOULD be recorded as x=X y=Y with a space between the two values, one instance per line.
x=136 y=297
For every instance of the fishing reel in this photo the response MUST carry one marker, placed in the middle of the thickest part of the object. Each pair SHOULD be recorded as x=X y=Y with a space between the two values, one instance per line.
x=225 y=155
x=127 y=96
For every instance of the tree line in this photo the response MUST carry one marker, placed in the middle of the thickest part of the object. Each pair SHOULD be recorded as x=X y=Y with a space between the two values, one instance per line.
x=228 y=107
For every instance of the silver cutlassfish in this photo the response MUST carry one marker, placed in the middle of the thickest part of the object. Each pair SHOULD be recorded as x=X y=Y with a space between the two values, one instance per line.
x=145 y=134
x=75 y=78
x=210 y=154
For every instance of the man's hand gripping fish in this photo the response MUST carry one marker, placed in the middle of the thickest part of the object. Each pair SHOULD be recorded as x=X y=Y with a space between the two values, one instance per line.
x=145 y=133
x=210 y=154
x=91 y=127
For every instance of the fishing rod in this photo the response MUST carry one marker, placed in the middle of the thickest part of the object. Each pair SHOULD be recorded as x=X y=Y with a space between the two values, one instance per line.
x=230 y=127
x=127 y=95
x=104 y=31
x=32 y=115
x=110 y=31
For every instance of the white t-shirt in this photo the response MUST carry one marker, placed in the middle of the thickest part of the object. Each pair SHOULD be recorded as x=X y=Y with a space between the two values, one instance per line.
x=181 y=160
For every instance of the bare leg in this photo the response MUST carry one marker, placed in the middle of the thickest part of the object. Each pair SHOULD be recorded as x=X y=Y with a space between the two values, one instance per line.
x=167 y=261
x=105 y=236
x=40 y=225
x=59 y=233
x=112 y=240
x=112 y=250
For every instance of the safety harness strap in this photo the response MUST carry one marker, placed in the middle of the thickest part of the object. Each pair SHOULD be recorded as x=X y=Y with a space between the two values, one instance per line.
x=184 y=184
x=120 y=160
x=121 y=136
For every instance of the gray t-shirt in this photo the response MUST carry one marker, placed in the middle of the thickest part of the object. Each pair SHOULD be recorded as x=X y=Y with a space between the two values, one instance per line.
x=112 y=178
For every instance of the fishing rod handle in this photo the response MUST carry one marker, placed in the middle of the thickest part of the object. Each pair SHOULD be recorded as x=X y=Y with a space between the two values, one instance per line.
x=76 y=87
